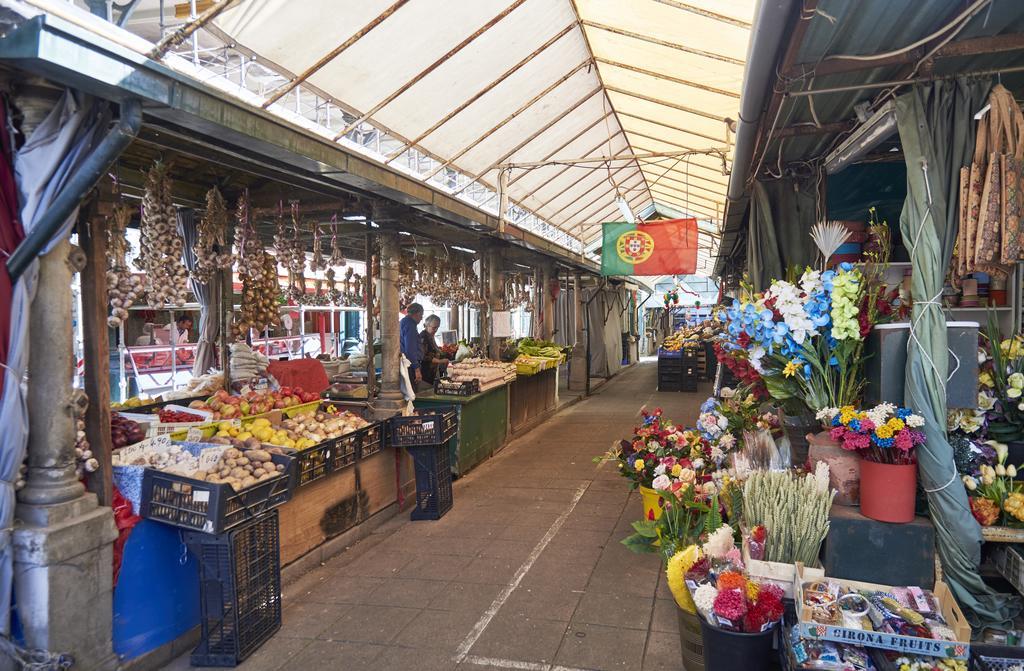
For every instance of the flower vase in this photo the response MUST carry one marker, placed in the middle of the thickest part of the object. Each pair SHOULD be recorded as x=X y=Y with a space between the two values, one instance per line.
x=652 y=503
x=797 y=427
x=843 y=466
x=888 y=491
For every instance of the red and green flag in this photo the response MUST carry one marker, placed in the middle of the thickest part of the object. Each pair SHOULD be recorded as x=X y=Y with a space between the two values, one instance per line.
x=667 y=247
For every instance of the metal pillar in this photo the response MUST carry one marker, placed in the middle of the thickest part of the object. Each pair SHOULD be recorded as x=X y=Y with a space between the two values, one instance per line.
x=62 y=539
x=390 y=400
x=547 y=305
x=580 y=351
x=494 y=301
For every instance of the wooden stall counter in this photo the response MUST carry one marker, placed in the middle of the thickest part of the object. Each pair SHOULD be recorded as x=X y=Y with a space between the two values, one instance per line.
x=531 y=398
x=483 y=424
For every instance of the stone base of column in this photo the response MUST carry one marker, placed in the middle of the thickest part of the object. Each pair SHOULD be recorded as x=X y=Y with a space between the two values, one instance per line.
x=63 y=579
x=388 y=404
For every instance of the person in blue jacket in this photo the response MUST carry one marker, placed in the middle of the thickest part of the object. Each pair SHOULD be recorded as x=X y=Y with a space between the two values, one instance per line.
x=412 y=346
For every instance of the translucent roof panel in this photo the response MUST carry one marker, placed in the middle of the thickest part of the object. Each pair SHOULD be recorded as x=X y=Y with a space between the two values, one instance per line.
x=528 y=87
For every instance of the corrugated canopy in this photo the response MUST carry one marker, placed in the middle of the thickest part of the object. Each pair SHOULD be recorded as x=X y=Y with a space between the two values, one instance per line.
x=483 y=85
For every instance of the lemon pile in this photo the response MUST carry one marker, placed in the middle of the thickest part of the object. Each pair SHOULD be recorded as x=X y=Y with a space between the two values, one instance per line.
x=261 y=429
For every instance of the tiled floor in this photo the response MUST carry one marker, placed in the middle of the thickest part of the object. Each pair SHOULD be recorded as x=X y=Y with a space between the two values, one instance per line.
x=526 y=572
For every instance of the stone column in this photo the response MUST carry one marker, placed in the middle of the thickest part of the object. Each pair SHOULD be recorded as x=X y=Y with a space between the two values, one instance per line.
x=390 y=400
x=547 y=305
x=494 y=300
x=578 y=367
x=62 y=538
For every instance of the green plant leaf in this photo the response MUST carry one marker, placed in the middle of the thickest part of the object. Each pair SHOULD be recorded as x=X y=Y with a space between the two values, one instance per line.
x=639 y=544
x=646 y=528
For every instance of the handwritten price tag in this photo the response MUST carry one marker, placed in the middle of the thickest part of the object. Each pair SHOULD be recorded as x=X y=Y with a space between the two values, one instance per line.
x=194 y=435
x=209 y=457
x=129 y=454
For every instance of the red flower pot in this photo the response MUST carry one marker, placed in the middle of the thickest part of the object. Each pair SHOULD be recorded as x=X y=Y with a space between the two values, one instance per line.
x=888 y=491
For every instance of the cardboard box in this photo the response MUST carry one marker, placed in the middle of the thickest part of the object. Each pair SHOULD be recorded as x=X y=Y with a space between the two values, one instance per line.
x=783 y=575
x=958 y=649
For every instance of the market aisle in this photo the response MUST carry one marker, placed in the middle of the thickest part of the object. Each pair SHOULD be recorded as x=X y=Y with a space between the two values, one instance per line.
x=525 y=572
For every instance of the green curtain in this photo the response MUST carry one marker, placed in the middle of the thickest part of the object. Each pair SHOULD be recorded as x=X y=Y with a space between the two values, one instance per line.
x=936 y=129
x=779 y=221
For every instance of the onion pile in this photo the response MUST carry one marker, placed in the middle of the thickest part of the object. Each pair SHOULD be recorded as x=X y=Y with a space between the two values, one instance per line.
x=291 y=255
x=86 y=463
x=259 y=277
x=443 y=281
x=123 y=287
x=517 y=293
x=212 y=252
x=161 y=246
x=337 y=258
x=317 y=262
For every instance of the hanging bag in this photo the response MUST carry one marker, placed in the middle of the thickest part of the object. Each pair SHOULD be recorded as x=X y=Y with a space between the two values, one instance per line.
x=990 y=218
x=974 y=176
x=1012 y=164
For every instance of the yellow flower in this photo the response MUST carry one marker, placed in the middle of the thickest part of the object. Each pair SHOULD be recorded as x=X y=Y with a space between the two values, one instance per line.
x=752 y=590
x=676 y=470
x=676 y=570
x=884 y=431
x=985 y=379
x=638 y=464
x=791 y=369
x=896 y=424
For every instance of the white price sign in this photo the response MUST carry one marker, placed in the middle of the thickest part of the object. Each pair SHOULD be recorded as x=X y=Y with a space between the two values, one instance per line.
x=209 y=457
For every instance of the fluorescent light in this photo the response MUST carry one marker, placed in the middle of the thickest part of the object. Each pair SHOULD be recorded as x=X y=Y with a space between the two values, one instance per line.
x=464 y=249
x=627 y=213
x=355 y=217
x=865 y=137
x=404 y=233
x=374 y=224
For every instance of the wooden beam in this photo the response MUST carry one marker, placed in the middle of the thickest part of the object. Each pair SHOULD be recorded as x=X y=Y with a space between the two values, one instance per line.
x=670 y=142
x=522 y=108
x=669 y=78
x=333 y=53
x=430 y=68
x=92 y=238
x=714 y=16
x=811 y=129
x=971 y=47
x=183 y=10
x=479 y=94
x=665 y=103
x=532 y=136
x=630 y=115
x=570 y=141
x=663 y=43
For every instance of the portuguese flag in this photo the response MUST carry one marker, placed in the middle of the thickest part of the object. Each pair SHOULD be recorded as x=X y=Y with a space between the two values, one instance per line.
x=667 y=247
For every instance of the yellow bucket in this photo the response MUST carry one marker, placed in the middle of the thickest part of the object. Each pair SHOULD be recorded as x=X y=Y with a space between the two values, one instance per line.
x=651 y=501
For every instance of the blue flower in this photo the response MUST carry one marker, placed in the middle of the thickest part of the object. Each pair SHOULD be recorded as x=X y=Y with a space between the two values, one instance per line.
x=846 y=266
x=855 y=424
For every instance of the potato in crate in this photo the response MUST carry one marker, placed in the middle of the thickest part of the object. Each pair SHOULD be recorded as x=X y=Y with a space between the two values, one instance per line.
x=428 y=426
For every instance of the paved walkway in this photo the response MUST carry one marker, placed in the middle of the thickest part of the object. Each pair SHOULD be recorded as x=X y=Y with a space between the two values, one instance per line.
x=526 y=572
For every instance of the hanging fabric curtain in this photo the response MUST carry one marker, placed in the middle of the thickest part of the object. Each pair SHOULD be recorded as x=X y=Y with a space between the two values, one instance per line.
x=208 y=295
x=11 y=233
x=50 y=156
x=779 y=222
x=934 y=122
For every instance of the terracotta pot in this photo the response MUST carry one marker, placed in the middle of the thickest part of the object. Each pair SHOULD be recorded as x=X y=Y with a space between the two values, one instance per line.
x=888 y=491
x=843 y=466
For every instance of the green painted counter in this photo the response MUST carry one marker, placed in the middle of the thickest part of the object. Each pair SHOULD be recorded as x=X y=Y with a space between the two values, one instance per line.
x=483 y=424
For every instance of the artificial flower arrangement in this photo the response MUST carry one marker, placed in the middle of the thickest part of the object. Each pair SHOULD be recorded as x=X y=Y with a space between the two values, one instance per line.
x=993 y=493
x=737 y=361
x=805 y=337
x=884 y=434
x=1001 y=382
x=786 y=515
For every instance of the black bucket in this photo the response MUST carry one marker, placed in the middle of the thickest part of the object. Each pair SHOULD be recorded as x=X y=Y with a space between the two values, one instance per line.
x=733 y=651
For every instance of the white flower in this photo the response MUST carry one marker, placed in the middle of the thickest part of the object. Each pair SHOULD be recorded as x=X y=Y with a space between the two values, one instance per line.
x=970 y=483
x=1000 y=470
x=1016 y=380
x=1011 y=471
x=704 y=598
x=1001 y=450
x=789 y=302
x=826 y=414
x=982 y=357
x=660 y=469
x=986 y=401
x=698 y=464
x=661 y=483
x=727 y=392
x=756 y=354
x=810 y=281
x=709 y=489
x=1013 y=392
x=914 y=421
x=727 y=442
x=821 y=479
x=719 y=542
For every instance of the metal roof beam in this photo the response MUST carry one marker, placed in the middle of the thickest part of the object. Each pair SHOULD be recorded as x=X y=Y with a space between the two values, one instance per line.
x=706 y=13
x=481 y=93
x=334 y=53
x=671 y=127
x=665 y=177
x=551 y=87
x=718 y=173
x=716 y=205
x=568 y=167
x=433 y=66
x=694 y=208
x=723 y=150
x=533 y=136
x=612 y=209
x=665 y=103
x=577 y=183
x=570 y=141
x=662 y=43
x=614 y=189
x=670 y=78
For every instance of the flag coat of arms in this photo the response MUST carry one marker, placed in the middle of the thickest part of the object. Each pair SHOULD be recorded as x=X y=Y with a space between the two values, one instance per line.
x=666 y=247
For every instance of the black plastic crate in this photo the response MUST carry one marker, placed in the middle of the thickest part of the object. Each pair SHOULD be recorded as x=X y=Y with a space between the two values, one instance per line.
x=449 y=388
x=433 y=481
x=212 y=508
x=429 y=426
x=315 y=462
x=345 y=450
x=239 y=590
x=988 y=657
x=371 y=439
